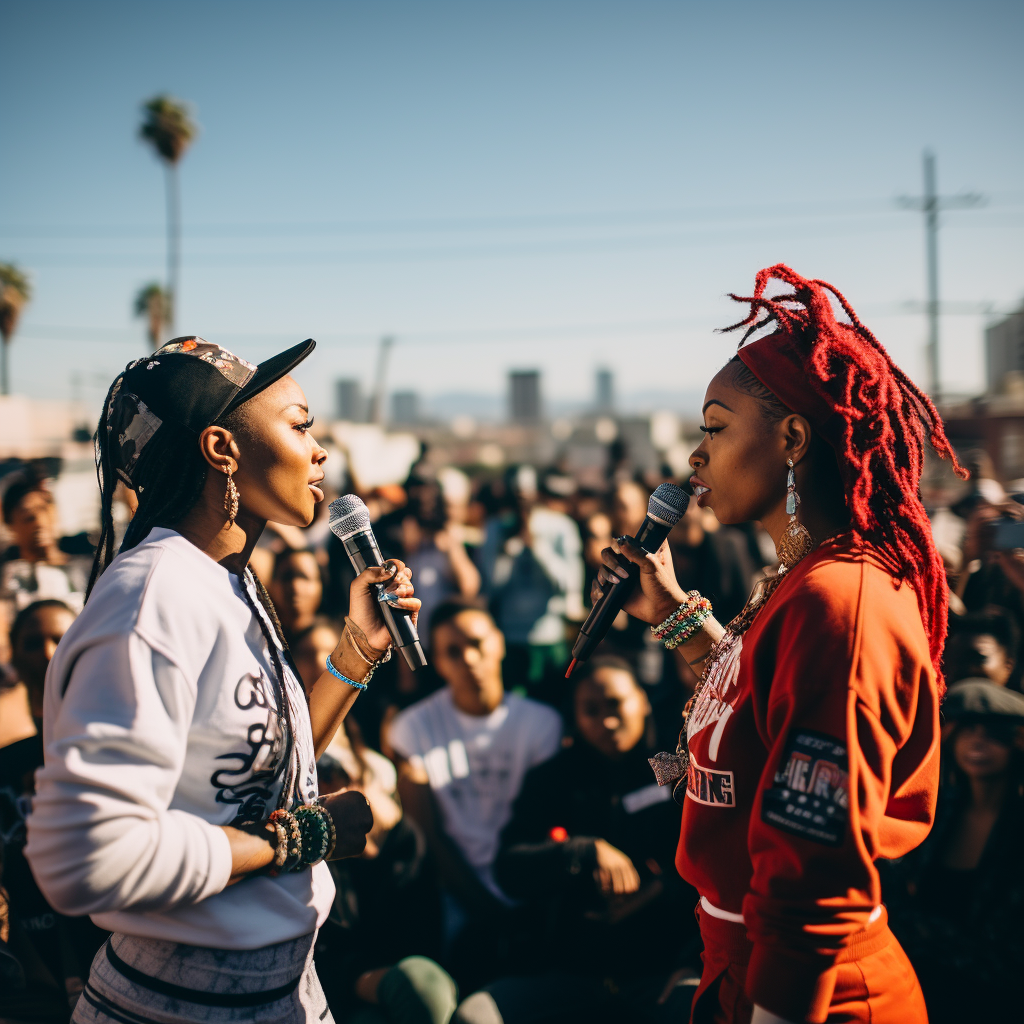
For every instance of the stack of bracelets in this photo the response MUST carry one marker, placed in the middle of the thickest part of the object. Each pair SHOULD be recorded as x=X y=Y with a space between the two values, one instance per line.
x=684 y=622
x=362 y=654
x=305 y=837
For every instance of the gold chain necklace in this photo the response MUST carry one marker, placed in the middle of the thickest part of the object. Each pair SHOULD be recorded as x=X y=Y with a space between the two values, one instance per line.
x=759 y=596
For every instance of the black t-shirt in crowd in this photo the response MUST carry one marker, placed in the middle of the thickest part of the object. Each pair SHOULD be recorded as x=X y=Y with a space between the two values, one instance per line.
x=547 y=860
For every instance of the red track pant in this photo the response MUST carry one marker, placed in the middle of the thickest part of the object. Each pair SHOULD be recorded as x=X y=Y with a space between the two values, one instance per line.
x=875 y=985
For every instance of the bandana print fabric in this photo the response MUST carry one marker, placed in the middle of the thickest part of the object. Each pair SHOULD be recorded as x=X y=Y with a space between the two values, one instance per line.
x=130 y=425
x=238 y=371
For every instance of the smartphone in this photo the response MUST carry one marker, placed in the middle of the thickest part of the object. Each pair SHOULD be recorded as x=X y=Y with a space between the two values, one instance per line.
x=1007 y=534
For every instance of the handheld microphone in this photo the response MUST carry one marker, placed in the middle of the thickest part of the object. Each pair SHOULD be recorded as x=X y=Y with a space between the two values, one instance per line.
x=664 y=510
x=350 y=523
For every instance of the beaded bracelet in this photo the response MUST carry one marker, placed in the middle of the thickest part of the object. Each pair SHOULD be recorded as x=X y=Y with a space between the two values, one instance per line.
x=345 y=679
x=687 y=628
x=315 y=835
x=688 y=625
x=663 y=629
x=702 y=608
x=331 y=830
x=684 y=622
x=281 y=848
x=693 y=602
x=294 y=846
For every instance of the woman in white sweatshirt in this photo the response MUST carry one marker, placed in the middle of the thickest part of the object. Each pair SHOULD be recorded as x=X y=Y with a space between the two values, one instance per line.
x=178 y=803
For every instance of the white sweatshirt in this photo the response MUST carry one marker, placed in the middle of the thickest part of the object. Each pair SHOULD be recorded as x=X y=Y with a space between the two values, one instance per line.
x=159 y=725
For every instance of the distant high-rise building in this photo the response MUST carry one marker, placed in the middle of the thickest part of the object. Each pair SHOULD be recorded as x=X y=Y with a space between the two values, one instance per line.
x=1004 y=349
x=605 y=390
x=350 y=402
x=524 y=396
x=405 y=407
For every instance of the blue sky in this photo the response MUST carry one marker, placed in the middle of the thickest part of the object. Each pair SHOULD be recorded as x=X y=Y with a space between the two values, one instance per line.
x=502 y=185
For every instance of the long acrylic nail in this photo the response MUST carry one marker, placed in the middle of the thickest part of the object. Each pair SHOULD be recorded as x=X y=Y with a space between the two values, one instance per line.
x=622 y=572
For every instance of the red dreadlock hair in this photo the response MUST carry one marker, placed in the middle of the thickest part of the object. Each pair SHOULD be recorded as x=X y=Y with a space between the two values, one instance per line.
x=872 y=414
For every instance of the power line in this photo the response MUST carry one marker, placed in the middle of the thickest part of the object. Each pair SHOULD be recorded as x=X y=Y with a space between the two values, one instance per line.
x=427 y=254
x=703 y=236
x=482 y=223
x=709 y=321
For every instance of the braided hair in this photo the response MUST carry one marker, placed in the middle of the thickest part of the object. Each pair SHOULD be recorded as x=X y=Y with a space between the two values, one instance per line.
x=887 y=420
x=168 y=480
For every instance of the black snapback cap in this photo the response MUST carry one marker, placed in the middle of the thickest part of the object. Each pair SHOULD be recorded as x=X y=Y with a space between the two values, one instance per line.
x=188 y=384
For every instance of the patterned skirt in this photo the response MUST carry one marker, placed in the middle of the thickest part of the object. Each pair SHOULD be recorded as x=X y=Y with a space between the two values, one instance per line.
x=147 y=981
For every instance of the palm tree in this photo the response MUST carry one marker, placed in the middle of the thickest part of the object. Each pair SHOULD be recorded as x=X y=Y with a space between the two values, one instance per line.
x=15 y=291
x=151 y=302
x=168 y=126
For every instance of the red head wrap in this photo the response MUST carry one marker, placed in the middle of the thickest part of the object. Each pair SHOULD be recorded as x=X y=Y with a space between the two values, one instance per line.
x=779 y=362
x=839 y=377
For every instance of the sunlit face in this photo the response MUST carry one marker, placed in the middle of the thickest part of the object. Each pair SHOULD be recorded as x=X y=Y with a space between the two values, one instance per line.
x=977 y=654
x=598 y=537
x=467 y=652
x=34 y=647
x=979 y=754
x=628 y=507
x=280 y=465
x=296 y=588
x=34 y=523
x=611 y=711
x=310 y=653
x=740 y=466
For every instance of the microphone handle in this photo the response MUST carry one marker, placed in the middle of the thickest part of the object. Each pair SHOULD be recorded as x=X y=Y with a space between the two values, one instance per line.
x=613 y=595
x=363 y=553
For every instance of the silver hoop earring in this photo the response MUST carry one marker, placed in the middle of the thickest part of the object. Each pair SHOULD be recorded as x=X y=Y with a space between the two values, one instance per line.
x=231 y=499
x=795 y=541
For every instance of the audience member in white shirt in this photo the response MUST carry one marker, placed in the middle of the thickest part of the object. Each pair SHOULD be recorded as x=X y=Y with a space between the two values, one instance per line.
x=462 y=755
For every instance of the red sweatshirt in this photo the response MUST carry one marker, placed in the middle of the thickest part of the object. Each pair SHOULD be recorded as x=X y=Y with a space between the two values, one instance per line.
x=814 y=750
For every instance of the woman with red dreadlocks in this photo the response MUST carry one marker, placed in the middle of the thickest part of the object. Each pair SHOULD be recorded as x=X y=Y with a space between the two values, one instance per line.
x=811 y=746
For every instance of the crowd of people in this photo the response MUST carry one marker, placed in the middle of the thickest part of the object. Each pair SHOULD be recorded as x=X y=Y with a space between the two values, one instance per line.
x=521 y=862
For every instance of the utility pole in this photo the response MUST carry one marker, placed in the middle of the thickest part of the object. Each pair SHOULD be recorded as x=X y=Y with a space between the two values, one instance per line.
x=930 y=204
x=380 y=386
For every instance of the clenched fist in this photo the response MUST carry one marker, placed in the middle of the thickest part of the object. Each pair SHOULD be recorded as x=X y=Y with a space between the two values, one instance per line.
x=352 y=820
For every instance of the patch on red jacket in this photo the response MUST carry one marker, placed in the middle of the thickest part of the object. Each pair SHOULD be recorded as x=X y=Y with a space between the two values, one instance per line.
x=810 y=796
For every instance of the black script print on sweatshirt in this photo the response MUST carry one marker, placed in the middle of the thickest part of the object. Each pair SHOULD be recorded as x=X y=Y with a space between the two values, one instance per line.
x=252 y=784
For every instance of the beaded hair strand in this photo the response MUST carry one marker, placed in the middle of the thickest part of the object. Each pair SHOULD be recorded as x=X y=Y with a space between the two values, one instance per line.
x=887 y=421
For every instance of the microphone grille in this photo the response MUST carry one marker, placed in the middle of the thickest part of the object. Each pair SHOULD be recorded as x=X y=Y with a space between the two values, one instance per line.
x=348 y=514
x=668 y=503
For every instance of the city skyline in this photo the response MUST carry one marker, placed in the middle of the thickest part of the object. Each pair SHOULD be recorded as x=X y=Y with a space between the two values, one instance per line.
x=562 y=187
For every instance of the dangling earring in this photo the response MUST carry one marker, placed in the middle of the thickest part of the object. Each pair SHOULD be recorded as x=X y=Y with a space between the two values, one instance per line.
x=231 y=499
x=795 y=541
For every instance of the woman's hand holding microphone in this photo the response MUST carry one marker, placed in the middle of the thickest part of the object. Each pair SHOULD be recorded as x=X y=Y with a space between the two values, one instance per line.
x=364 y=644
x=658 y=595
x=364 y=610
